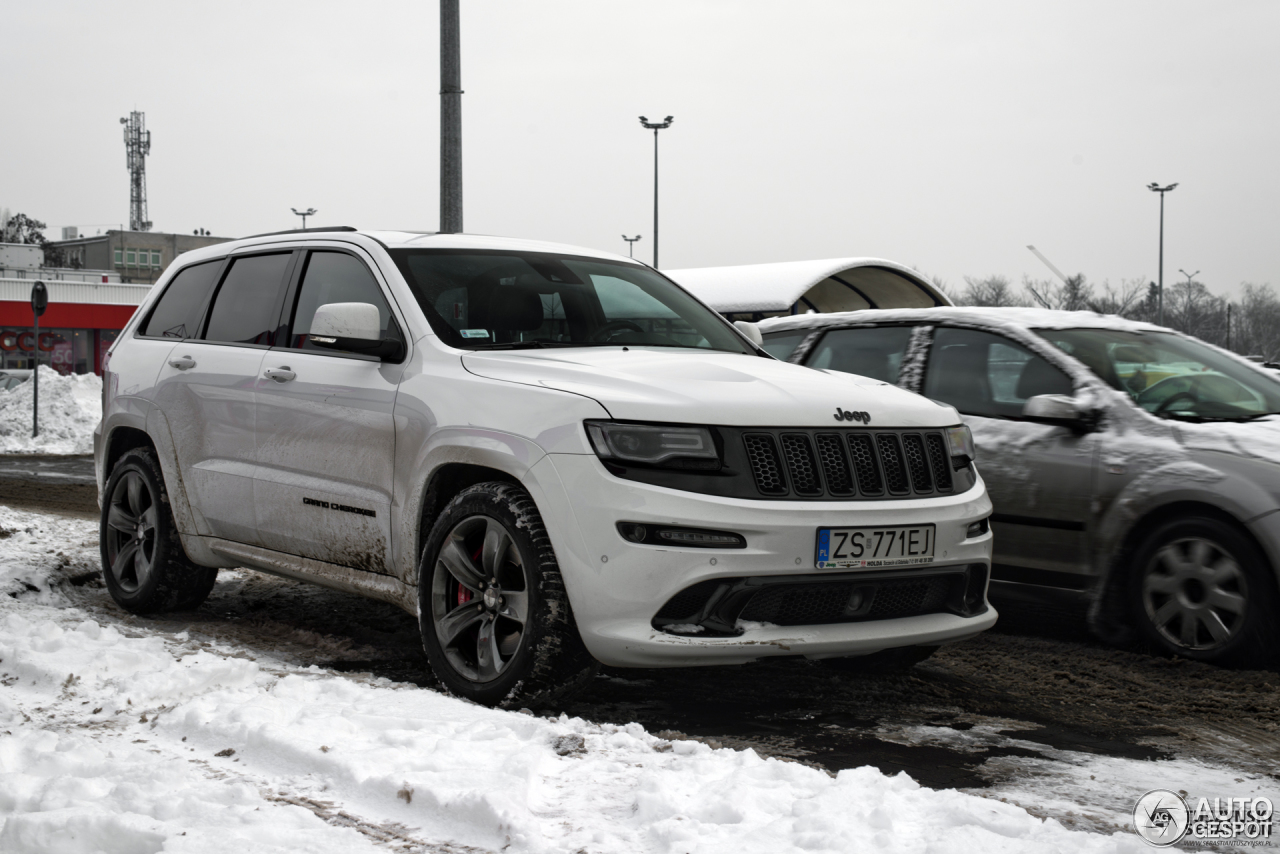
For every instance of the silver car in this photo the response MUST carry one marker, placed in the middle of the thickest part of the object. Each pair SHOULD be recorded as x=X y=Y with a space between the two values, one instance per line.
x=1124 y=460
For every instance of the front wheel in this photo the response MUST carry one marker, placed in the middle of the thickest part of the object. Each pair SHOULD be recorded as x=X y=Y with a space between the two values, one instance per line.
x=1201 y=589
x=496 y=623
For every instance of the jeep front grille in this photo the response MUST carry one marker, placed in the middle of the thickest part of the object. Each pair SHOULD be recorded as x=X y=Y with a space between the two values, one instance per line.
x=840 y=464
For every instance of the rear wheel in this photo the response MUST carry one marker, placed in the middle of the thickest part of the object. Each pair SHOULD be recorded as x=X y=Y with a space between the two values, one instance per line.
x=1201 y=589
x=143 y=563
x=496 y=623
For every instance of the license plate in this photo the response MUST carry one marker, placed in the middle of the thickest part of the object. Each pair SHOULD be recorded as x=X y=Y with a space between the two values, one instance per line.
x=899 y=545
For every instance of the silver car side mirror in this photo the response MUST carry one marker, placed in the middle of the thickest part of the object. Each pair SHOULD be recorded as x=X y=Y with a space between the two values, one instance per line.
x=1056 y=409
x=750 y=331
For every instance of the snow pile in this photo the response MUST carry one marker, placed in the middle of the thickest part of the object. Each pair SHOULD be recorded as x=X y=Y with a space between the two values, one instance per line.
x=70 y=408
x=118 y=736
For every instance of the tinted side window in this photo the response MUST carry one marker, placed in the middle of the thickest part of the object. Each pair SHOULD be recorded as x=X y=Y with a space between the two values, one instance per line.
x=984 y=374
x=874 y=352
x=177 y=313
x=247 y=306
x=336 y=277
x=780 y=345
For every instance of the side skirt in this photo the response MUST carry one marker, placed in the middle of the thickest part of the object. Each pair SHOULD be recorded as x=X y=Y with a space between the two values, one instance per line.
x=371 y=584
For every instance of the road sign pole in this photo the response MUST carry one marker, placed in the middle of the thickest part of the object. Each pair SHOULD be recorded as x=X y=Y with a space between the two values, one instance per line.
x=39 y=302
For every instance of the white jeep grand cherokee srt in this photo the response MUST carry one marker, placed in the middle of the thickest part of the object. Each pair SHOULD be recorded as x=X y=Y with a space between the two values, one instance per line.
x=553 y=456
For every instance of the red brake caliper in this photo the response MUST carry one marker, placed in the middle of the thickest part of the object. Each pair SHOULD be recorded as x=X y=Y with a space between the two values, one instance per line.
x=464 y=595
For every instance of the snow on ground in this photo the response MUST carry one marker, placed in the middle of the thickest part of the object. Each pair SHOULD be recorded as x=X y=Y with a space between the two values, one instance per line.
x=70 y=409
x=1086 y=789
x=119 y=738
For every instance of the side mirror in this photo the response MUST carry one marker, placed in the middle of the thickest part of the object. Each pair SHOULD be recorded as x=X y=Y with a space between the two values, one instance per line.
x=751 y=331
x=355 y=327
x=1059 y=409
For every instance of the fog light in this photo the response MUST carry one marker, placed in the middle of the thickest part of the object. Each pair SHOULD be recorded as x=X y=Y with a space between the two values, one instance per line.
x=977 y=529
x=701 y=538
x=670 y=535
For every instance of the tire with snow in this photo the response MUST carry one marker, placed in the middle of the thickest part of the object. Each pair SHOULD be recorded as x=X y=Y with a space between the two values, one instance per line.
x=143 y=562
x=495 y=619
x=1200 y=588
x=884 y=662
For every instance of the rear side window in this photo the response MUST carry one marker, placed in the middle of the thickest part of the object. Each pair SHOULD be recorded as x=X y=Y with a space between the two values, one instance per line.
x=336 y=277
x=874 y=351
x=247 y=306
x=177 y=314
x=980 y=373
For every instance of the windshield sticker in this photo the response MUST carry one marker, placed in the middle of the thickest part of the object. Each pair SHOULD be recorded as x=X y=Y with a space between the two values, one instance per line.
x=474 y=333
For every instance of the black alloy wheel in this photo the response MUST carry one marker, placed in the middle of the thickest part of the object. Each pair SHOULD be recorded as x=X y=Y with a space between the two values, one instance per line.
x=479 y=598
x=130 y=535
x=144 y=565
x=496 y=622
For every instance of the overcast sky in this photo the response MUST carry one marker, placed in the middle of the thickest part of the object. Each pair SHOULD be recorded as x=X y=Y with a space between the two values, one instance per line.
x=944 y=135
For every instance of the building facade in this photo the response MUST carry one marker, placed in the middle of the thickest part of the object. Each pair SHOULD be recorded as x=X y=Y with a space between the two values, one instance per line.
x=88 y=304
x=138 y=257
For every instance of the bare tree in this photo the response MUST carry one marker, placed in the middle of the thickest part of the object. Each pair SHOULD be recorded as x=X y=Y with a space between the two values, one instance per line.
x=1072 y=295
x=1126 y=300
x=1255 y=325
x=1191 y=308
x=991 y=291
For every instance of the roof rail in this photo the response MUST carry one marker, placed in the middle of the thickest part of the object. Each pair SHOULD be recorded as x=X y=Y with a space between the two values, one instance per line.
x=304 y=231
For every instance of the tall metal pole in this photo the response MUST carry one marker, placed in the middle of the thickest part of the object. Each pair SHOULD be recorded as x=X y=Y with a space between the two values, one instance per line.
x=631 y=245
x=655 y=127
x=1156 y=188
x=450 y=119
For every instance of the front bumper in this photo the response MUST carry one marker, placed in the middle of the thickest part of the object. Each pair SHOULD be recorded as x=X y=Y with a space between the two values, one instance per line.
x=616 y=587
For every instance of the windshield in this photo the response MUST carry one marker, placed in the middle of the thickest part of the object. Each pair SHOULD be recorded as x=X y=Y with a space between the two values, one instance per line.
x=1171 y=376
x=490 y=300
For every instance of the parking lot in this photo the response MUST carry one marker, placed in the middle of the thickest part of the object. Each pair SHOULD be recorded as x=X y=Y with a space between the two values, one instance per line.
x=1036 y=711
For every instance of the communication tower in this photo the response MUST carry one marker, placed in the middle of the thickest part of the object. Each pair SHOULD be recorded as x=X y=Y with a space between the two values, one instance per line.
x=137 y=145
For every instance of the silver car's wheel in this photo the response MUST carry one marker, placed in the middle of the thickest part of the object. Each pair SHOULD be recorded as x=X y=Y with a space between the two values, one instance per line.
x=479 y=598
x=1195 y=594
x=1201 y=588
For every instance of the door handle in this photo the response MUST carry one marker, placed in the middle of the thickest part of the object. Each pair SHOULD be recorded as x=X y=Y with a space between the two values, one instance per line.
x=280 y=375
x=184 y=363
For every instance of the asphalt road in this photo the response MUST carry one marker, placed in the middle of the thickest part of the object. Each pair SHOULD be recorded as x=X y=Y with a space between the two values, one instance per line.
x=1035 y=689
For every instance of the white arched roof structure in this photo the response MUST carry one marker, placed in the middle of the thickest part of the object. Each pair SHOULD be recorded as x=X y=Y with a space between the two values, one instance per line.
x=756 y=291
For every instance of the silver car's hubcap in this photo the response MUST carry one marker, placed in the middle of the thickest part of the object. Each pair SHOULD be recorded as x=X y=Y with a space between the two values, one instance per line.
x=131 y=532
x=1195 y=594
x=479 y=599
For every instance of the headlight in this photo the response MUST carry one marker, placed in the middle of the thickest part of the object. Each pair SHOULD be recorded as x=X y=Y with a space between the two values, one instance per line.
x=654 y=444
x=960 y=442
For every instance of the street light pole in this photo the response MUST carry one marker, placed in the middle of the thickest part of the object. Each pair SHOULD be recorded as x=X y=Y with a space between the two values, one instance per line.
x=631 y=244
x=1156 y=188
x=450 y=119
x=655 y=127
x=304 y=214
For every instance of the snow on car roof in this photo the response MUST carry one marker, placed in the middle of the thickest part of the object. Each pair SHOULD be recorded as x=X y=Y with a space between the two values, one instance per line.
x=1033 y=318
x=777 y=287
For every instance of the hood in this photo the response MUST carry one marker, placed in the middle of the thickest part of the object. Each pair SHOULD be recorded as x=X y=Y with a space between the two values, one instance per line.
x=684 y=386
x=1257 y=439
